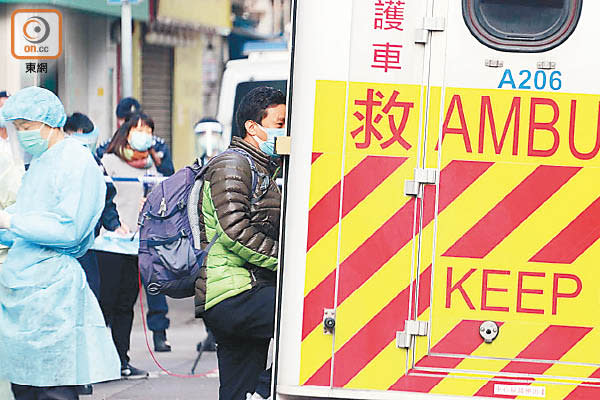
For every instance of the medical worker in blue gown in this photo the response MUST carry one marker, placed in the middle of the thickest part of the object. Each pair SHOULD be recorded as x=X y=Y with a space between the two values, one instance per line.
x=52 y=333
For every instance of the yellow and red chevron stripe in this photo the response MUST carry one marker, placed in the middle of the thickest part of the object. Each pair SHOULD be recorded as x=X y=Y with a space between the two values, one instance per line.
x=527 y=214
x=503 y=215
x=347 y=203
x=326 y=164
x=517 y=248
x=380 y=331
x=366 y=261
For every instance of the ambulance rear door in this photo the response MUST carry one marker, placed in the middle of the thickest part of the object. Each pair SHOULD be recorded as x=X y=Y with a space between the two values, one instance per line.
x=359 y=95
x=513 y=254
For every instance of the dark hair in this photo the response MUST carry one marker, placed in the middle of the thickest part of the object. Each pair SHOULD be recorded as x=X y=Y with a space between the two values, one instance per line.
x=127 y=107
x=119 y=140
x=253 y=106
x=78 y=121
x=207 y=119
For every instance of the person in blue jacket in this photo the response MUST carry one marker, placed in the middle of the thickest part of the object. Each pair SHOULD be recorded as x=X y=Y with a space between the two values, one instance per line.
x=52 y=333
x=158 y=308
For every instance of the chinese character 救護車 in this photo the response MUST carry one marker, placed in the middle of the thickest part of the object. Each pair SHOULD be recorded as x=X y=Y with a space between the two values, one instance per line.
x=389 y=15
x=370 y=117
x=386 y=56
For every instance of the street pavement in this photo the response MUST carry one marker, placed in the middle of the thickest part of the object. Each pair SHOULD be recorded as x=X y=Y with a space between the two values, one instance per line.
x=185 y=332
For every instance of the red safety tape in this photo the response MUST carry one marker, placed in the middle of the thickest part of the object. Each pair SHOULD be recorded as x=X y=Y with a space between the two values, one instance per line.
x=158 y=364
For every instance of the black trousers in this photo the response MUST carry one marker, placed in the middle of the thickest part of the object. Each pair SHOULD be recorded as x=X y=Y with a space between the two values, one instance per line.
x=118 y=294
x=243 y=327
x=45 y=393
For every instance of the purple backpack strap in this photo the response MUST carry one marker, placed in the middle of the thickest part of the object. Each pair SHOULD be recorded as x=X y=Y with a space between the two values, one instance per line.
x=195 y=193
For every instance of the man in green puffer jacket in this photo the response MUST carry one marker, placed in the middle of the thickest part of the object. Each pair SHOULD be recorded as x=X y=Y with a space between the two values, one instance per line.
x=235 y=294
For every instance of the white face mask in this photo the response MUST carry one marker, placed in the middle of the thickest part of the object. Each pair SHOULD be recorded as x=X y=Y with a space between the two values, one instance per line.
x=140 y=140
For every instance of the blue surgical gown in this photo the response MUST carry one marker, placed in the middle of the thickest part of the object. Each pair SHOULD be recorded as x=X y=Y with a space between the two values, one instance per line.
x=52 y=332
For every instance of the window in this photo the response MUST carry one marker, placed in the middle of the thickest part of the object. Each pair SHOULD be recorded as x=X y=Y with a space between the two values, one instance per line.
x=521 y=25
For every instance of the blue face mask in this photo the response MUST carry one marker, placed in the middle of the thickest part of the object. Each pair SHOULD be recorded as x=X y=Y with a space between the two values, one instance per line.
x=32 y=142
x=89 y=140
x=140 y=140
x=268 y=146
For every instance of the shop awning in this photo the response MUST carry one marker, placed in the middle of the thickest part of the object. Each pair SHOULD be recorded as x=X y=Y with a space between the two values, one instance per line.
x=139 y=11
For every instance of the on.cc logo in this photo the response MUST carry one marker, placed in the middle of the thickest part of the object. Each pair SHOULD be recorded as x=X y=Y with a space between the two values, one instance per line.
x=36 y=34
x=36 y=30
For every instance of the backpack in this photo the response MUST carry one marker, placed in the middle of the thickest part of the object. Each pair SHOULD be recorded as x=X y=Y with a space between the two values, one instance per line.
x=170 y=253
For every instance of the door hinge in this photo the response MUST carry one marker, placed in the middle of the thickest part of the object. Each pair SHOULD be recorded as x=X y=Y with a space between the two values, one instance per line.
x=546 y=65
x=411 y=328
x=494 y=63
x=430 y=24
x=423 y=176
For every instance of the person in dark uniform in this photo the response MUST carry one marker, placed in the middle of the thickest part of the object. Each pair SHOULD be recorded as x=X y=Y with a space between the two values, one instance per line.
x=158 y=308
x=80 y=127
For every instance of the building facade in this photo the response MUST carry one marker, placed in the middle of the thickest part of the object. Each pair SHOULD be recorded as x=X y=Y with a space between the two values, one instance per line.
x=189 y=38
x=179 y=51
x=85 y=76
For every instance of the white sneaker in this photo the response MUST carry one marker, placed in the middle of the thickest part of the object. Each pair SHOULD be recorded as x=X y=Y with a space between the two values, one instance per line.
x=255 y=396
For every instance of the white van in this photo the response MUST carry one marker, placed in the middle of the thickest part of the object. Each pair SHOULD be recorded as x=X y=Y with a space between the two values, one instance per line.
x=241 y=76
